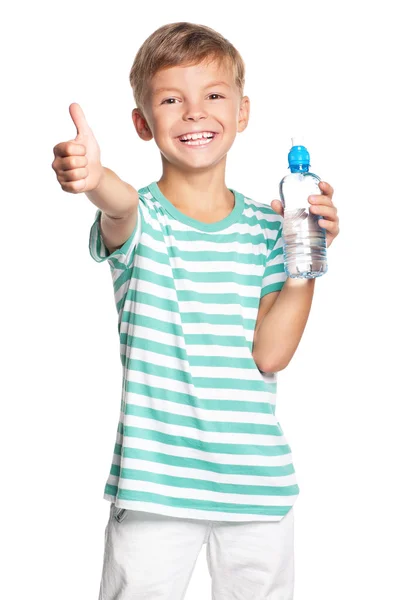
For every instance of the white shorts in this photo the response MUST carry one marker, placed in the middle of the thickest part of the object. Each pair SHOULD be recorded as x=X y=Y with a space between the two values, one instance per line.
x=149 y=556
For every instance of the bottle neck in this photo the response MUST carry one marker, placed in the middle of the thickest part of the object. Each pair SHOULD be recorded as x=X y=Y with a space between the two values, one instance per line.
x=299 y=168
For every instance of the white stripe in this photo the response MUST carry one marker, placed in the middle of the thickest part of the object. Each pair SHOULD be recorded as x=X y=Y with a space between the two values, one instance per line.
x=168 y=316
x=214 y=266
x=205 y=287
x=219 y=247
x=209 y=437
x=173 y=385
x=169 y=339
x=257 y=460
x=207 y=371
x=190 y=306
x=220 y=416
x=202 y=475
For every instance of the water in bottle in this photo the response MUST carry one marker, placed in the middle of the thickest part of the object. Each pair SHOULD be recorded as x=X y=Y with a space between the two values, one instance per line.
x=304 y=240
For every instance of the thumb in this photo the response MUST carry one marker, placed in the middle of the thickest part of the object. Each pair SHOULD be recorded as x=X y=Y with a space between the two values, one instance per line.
x=277 y=206
x=79 y=119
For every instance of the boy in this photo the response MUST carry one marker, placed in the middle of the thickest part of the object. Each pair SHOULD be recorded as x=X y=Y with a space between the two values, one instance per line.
x=206 y=317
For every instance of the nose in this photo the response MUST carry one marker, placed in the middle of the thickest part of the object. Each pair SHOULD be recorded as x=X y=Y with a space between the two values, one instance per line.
x=194 y=113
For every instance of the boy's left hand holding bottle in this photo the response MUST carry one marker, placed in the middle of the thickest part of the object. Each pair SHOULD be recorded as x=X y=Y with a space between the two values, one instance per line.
x=321 y=204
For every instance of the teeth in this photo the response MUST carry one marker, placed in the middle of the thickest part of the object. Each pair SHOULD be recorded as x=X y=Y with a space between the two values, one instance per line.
x=195 y=136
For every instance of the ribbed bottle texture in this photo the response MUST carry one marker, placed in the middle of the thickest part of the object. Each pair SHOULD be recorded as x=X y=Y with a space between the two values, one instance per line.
x=304 y=240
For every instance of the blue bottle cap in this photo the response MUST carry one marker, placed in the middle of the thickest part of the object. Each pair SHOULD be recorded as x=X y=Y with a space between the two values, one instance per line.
x=298 y=157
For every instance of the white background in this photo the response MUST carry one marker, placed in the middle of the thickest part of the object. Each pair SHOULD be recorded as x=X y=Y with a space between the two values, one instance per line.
x=325 y=70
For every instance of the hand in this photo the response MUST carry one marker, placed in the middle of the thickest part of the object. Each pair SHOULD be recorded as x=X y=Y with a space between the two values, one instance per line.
x=77 y=162
x=321 y=204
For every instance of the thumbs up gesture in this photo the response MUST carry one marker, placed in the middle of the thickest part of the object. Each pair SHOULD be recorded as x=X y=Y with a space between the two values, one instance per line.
x=77 y=162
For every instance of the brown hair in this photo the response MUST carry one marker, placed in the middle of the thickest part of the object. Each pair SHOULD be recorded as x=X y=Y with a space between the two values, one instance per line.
x=177 y=44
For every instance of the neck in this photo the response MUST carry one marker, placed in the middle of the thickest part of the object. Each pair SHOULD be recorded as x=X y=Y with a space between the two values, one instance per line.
x=202 y=191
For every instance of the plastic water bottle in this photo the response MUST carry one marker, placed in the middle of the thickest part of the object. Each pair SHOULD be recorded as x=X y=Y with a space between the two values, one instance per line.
x=304 y=240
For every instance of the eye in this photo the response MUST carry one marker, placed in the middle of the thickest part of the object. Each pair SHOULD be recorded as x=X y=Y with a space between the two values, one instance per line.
x=166 y=101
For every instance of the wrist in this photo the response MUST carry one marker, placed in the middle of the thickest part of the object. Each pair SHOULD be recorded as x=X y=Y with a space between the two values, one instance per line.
x=101 y=179
x=300 y=282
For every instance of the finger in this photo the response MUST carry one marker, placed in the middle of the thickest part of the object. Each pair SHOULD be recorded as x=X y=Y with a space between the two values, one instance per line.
x=320 y=199
x=330 y=212
x=74 y=187
x=69 y=148
x=277 y=206
x=72 y=162
x=73 y=175
x=330 y=226
x=79 y=119
x=326 y=188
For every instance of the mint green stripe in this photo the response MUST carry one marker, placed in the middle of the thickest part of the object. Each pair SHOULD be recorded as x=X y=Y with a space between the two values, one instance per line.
x=188 y=317
x=248 y=280
x=230 y=383
x=274 y=269
x=123 y=277
x=151 y=300
x=219 y=340
x=175 y=329
x=213 y=447
x=224 y=507
x=273 y=287
x=217 y=319
x=219 y=299
x=207 y=404
x=134 y=341
x=213 y=486
x=152 y=323
x=176 y=351
x=102 y=250
x=152 y=277
x=133 y=364
x=203 y=465
x=158 y=257
x=201 y=425
x=217 y=256
x=116 y=262
x=183 y=295
x=223 y=238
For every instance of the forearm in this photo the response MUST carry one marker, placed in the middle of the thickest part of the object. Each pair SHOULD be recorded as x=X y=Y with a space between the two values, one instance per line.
x=114 y=197
x=280 y=331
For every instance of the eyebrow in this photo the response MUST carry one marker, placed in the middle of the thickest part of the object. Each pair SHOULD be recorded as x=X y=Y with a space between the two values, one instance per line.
x=169 y=89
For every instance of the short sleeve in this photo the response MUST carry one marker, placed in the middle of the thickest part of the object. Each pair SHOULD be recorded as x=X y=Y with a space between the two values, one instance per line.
x=121 y=257
x=274 y=273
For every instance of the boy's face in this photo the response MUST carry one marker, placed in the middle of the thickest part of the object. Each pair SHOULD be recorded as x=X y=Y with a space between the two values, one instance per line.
x=193 y=101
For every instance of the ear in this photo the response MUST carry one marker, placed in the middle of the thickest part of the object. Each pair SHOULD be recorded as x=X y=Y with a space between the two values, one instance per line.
x=141 y=125
x=244 y=112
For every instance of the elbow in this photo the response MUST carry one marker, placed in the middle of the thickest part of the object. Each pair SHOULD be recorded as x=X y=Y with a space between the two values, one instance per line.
x=272 y=366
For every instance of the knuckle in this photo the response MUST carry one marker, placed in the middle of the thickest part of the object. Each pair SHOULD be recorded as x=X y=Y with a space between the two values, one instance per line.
x=76 y=187
x=69 y=175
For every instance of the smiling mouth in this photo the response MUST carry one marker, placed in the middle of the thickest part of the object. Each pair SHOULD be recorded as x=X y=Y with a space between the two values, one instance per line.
x=198 y=143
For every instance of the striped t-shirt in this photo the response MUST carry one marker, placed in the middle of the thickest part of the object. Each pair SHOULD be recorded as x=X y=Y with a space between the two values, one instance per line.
x=197 y=435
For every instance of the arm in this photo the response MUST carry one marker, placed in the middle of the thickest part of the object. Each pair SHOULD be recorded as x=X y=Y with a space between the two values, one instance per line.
x=118 y=202
x=281 y=323
x=282 y=315
x=77 y=164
